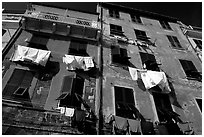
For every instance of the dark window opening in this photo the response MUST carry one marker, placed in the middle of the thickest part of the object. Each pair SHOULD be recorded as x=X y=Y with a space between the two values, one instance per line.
x=149 y=61
x=119 y=56
x=70 y=87
x=136 y=18
x=141 y=35
x=19 y=83
x=199 y=102
x=198 y=43
x=3 y=31
x=124 y=103
x=163 y=106
x=38 y=42
x=114 y=13
x=116 y=30
x=165 y=25
x=78 y=48
x=190 y=70
x=174 y=42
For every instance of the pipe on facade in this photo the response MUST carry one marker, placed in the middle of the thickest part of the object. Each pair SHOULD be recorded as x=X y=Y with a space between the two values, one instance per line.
x=98 y=102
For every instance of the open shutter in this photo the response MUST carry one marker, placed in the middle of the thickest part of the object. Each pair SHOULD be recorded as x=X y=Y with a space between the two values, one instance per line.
x=67 y=84
x=171 y=41
x=176 y=42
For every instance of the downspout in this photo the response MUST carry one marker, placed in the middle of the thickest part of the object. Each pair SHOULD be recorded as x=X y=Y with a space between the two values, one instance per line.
x=99 y=96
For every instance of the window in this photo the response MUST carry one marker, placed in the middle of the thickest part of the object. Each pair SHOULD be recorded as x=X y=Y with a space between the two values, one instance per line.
x=116 y=30
x=125 y=103
x=3 y=31
x=190 y=70
x=71 y=86
x=149 y=61
x=199 y=102
x=19 y=83
x=136 y=18
x=198 y=43
x=174 y=42
x=114 y=13
x=165 y=25
x=141 y=35
x=119 y=56
x=78 y=48
x=163 y=106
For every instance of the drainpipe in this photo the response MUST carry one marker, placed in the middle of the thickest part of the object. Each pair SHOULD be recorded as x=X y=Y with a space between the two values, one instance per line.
x=99 y=96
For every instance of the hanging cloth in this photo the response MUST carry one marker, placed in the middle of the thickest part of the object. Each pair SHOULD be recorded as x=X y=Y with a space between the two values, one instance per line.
x=69 y=112
x=153 y=78
x=88 y=63
x=133 y=73
x=121 y=123
x=134 y=125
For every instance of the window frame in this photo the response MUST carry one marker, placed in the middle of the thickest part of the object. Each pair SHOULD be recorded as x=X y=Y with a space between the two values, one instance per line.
x=165 y=25
x=114 y=13
x=199 y=107
x=149 y=57
x=126 y=103
x=114 y=30
x=141 y=35
x=188 y=67
x=174 y=42
x=136 y=18
x=122 y=59
x=198 y=43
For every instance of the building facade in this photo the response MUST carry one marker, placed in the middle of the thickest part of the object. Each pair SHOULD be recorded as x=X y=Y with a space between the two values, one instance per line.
x=138 y=48
x=50 y=72
x=116 y=71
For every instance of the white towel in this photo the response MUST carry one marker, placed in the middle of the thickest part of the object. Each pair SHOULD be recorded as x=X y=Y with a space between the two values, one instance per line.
x=80 y=62
x=42 y=57
x=31 y=54
x=153 y=78
x=88 y=62
x=19 y=53
x=133 y=73
x=69 y=61
x=69 y=112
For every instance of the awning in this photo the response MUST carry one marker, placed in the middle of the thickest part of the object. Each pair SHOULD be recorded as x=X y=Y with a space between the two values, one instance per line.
x=36 y=56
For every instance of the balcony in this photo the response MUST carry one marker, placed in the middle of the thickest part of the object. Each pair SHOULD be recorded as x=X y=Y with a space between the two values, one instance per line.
x=61 y=25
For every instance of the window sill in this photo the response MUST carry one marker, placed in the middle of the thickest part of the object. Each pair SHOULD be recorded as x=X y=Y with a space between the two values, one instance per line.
x=195 y=79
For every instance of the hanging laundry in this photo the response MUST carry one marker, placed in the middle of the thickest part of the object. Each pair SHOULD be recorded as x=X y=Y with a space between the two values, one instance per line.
x=19 y=53
x=69 y=112
x=153 y=78
x=78 y=62
x=79 y=115
x=88 y=62
x=42 y=57
x=133 y=73
x=121 y=123
x=33 y=55
x=134 y=125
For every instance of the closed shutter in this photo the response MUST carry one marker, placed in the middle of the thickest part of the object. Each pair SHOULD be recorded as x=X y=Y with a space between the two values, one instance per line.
x=67 y=84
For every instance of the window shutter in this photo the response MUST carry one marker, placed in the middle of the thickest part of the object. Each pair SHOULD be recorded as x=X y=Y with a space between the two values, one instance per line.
x=171 y=41
x=176 y=41
x=67 y=84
